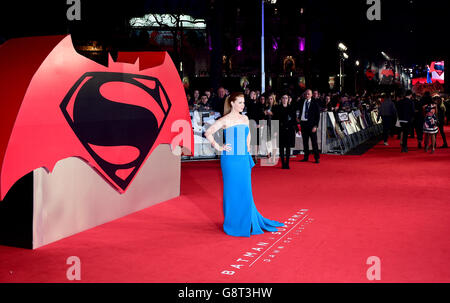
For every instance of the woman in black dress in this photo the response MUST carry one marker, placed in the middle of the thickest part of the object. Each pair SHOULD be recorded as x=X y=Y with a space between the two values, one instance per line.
x=271 y=103
x=430 y=125
x=286 y=116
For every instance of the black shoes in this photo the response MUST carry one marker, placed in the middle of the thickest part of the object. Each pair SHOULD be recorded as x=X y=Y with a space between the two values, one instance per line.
x=306 y=160
x=419 y=145
x=444 y=146
x=404 y=149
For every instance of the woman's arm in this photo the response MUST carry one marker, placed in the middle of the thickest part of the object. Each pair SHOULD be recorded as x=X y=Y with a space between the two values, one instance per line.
x=249 y=135
x=209 y=135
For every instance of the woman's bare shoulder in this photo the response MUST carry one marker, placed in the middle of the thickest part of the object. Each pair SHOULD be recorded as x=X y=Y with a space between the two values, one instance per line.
x=223 y=121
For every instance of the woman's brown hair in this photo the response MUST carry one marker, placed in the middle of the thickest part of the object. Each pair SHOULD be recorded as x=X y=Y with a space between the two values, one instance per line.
x=231 y=98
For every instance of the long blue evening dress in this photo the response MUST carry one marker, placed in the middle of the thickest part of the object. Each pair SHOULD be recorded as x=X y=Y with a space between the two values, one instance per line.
x=241 y=216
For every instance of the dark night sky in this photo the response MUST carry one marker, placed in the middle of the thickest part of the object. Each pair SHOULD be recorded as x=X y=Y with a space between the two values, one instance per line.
x=413 y=31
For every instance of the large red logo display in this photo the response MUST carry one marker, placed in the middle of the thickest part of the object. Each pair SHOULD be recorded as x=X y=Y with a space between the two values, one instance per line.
x=107 y=127
x=60 y=104
x=434 y=73
x=370 y=74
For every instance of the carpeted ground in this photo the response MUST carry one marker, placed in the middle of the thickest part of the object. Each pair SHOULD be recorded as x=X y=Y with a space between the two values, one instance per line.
x=339 y=213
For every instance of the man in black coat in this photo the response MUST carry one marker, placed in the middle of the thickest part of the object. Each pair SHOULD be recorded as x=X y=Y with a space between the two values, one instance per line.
x=218 y=101
x=388 y=113
x=309 y=122
x=406 y=110
x=418 y=120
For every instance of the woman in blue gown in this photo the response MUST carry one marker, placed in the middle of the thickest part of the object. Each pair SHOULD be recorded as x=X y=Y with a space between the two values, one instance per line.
x=241 y=218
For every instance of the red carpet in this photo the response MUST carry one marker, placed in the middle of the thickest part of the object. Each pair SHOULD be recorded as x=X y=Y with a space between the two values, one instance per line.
x=384 y=203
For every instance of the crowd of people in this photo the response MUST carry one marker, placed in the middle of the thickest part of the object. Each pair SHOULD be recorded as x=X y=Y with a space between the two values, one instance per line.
x=415 y=116
x=405 y=115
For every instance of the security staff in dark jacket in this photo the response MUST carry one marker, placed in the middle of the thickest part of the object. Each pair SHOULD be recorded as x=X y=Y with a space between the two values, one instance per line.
x=406 y=110
x=286 y=116
x=418 y=120
x=309 y=122
x=388 y=113
x=441 y=118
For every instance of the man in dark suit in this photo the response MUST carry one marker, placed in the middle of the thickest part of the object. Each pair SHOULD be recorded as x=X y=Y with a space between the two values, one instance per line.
x=317 y=98
x=405 y=116
x=309 y=122
x=418 y=120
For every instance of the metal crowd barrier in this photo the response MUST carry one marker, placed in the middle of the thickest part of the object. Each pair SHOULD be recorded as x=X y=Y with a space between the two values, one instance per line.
x=344 y=131
x=201 y=121
x=338 y=133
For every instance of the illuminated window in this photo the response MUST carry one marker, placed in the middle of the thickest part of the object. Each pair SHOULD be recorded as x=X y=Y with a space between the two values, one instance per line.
x=159 y=20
